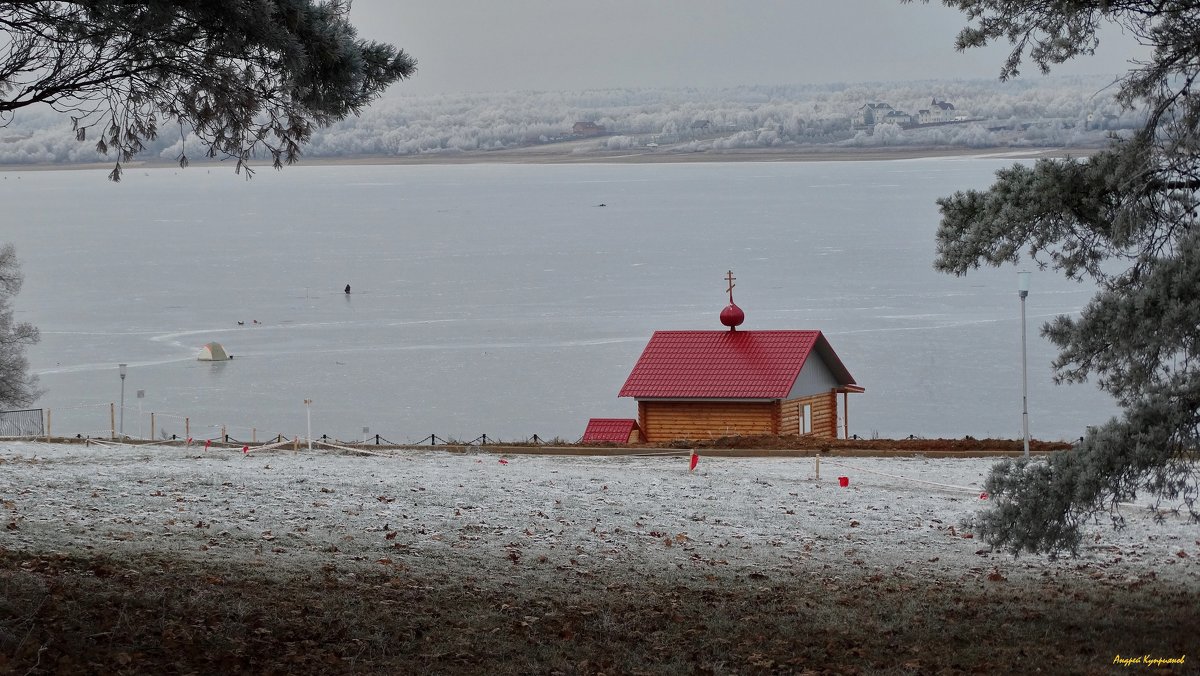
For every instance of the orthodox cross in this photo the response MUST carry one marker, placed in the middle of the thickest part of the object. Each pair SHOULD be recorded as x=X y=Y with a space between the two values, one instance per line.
x=729 y=278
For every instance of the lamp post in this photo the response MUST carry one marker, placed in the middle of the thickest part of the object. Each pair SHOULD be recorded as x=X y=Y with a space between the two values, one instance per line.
x=308 y=414
x=1023 y=291
x=121 y=368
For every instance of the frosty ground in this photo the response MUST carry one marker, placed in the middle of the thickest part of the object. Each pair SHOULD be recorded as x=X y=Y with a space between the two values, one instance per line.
x=333 y=561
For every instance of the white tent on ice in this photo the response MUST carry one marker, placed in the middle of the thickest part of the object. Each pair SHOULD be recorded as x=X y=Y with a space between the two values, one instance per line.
x=213 y=352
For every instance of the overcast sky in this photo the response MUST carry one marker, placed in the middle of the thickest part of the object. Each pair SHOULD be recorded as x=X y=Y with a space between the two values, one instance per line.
x=502 y=45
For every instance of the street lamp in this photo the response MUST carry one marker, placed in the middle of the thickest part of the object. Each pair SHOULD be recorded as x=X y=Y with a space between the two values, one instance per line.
x=1023 y=291
x=121 y=368
x=308 y=414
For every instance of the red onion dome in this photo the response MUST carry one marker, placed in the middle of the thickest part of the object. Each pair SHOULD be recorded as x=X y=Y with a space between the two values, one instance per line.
x=732 y=316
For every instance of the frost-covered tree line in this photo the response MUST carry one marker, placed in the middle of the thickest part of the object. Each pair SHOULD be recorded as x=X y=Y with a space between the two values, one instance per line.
x=1044 y=112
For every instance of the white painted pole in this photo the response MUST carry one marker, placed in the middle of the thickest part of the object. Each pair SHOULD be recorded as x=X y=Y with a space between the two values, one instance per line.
x=308 y=414
x=121 y=369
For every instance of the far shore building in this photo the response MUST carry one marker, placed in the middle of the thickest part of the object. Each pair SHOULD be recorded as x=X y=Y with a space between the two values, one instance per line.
x=897 y=117
x=870 y=113
x=939 y=112
x=587 y=129
x=705 y=384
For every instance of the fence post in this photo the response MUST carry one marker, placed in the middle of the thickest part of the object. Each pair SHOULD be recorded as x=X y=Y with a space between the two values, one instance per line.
x=112 y=420
x=376 y=439
x=224 y=434
x=187 y=428
x=48 y=424
x=152 y=436
x=254 y=435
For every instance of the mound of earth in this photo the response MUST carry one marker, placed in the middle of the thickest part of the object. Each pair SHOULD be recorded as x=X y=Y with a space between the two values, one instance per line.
x=914 y=445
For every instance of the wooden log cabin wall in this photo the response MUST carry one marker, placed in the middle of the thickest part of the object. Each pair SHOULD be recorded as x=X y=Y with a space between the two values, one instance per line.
x=670 y=420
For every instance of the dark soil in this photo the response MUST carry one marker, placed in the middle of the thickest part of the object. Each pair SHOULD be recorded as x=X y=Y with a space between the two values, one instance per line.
x=901 y=446
x=61 y=615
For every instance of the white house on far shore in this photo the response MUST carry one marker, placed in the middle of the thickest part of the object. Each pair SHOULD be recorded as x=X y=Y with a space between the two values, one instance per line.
x=869 y=114
x=939 y=111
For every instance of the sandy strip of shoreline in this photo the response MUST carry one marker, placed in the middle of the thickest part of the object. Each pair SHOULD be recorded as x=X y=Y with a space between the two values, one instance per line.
x=542 y=155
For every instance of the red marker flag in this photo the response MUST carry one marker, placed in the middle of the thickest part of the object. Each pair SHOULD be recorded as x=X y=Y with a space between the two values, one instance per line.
x=692 y=464
x=207 y=443
x=503 y=461
x=246 y=449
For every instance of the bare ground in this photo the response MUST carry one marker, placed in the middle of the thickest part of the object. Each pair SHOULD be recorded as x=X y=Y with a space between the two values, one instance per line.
x=157 y=615
x=164 y=561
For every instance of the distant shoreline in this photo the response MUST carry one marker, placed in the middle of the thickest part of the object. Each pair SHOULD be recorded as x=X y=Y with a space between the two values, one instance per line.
x=549 y=155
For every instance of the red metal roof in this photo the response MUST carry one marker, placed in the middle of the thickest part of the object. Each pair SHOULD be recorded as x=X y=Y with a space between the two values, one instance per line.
x=614 y=430
x=727 y=364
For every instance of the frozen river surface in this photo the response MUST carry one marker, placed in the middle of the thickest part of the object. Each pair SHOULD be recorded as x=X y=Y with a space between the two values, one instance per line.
x=508 y=300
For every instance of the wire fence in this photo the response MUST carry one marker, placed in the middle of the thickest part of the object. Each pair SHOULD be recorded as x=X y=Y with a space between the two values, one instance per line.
x=114 y=422
x=111 y=421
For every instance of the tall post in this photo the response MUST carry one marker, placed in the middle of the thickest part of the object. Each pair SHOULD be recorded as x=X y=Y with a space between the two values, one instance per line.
x=1023 y=291
x=845 y=415
x=308 y=415
x=121 y=368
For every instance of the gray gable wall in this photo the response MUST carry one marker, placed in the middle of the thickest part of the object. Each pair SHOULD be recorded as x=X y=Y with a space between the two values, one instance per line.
x=815 y=378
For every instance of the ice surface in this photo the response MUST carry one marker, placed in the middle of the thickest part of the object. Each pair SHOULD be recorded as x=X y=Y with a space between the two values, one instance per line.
x=501 y=299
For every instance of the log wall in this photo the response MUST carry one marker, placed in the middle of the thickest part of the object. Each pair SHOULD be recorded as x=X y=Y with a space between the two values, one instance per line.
x=670 y=420
x=824 y=415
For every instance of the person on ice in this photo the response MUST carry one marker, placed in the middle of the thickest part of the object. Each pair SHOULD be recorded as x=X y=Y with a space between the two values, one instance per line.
x=347 y=289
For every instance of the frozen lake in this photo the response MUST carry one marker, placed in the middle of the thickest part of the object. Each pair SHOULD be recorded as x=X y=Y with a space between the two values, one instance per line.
x=504 y=299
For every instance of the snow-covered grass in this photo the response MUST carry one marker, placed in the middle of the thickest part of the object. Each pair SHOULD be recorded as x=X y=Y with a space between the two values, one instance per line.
x=477 y=562
x=480 y=510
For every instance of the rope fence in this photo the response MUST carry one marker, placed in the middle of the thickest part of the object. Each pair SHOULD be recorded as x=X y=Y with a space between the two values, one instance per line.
x=105 y=421
x=967 y=489
x=294 y=444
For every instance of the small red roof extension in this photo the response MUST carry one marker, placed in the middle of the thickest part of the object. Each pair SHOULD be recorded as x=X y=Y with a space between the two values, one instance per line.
x=615 y=430
x=727 y=364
